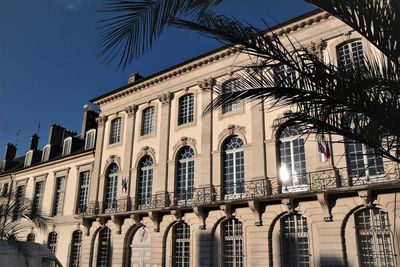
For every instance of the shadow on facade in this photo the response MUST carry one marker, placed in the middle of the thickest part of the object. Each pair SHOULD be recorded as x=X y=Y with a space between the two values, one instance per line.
x=333 y=261
x=208 y=251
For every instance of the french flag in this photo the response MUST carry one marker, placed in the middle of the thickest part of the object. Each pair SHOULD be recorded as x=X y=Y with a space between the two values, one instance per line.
x=323 y=150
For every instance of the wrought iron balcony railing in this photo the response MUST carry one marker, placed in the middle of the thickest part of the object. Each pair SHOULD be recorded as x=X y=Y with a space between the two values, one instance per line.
x=312 y=181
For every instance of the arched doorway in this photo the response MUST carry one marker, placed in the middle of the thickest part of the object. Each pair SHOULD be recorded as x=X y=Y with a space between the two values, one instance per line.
x=140 y=248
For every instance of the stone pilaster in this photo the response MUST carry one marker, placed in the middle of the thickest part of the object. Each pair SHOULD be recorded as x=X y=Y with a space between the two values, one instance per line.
x=257 y=137
x=129 y=142
x=94 y=183
x=160 y=186
x=206 y=133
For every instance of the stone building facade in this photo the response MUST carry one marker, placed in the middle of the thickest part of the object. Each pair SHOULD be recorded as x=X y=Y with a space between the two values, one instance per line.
x=165 y=185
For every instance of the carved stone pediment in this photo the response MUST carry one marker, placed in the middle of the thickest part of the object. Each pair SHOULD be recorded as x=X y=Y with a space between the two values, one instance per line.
x=185 y=141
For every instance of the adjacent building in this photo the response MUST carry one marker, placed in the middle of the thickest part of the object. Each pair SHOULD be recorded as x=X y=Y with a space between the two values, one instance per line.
x=152 y=181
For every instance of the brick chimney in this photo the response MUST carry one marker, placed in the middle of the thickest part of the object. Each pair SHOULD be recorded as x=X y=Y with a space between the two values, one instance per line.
x=134 y=77
x=56 y=135
x=11 y=151
x=33 y=144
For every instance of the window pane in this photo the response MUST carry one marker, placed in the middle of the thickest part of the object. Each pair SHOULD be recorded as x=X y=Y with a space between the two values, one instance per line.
x=186 y=109
x=185 y=177
x=145 y=182
x=52 y=242
x=83 y=191
x=148 y=121
x=233 y=168
x=294 y=238
x=103 y=251
x=76 y=245
x=232 y=238
x=111 y=187
x=37 y=198
x=181 y=245
x=59 y=196
x=374 y=238
x=115 y=131
x=229 y=87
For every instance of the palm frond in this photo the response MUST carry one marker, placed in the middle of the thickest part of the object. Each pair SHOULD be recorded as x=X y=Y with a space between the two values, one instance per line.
x=137 y=24
x=325 y=97
x=377 y=20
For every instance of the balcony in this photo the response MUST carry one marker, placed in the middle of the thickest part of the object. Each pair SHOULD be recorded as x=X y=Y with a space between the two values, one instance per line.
x=331 y=180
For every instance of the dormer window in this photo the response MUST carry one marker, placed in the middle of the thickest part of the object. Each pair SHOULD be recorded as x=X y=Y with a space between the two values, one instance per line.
x=46 y=153
x=90 y=138
x=28 y=158
x=67 y=146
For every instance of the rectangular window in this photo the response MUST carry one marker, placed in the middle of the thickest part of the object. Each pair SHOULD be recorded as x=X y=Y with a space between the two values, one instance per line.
x=284 y=76
x=19 y=202
x=37 y=198
x=59 y=196
x=350 y=55
x=115 y=131
x=4 y=189
x=229 y=87
x=83 y=191
x=148 y=121
x=90 y=138
x=186 y=109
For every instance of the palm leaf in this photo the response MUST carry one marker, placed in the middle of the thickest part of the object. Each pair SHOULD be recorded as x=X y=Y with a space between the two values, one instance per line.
x=137 y=24
x=377 y=20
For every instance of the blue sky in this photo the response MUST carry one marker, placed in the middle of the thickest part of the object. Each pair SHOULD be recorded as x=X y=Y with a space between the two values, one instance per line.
x=49 y=66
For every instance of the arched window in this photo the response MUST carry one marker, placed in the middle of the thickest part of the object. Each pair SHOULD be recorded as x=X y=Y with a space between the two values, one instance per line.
x=350 y=55
x=90 y=139
x=115 y=134
x=294 y=241
x=52 y=242
x=110 y=199
x=233 y=159
x=147 y=121
x=181 y=245
x=374 y=238
x=186 y=109
x=232 y=243
x=104 y=248
x=76 y=245
x=293 y=161
x=145 y=182
x=229 y=87
x=185 y=173
x=30 y=238
x=67 y=146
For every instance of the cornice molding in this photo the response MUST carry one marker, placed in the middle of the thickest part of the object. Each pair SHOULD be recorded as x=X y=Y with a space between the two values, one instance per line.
x=196 y=64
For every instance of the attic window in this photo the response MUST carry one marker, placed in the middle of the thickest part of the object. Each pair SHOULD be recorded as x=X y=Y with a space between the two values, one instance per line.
x=90 y=138
x=28 y=158
x=67 y=146
x=46 y=153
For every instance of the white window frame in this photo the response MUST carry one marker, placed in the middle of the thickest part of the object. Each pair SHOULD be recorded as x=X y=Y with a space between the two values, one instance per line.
x=104 y=242
x=181 y=245
x=76 y=248
x=186 y=108
x=232 y=231
x=145 y=183
x=115 y=130
x=353 y=58
x=38 y=197
x=111 y=187
x=237 y=183
x=185 y=176
x=90 y=139
x=52 y=241
x=67 y=144
x=148 y=119
x=228 y=87
x=28 y=158
x=297 y=182
x=59 y=195
x=46 y=152
x=83 y=191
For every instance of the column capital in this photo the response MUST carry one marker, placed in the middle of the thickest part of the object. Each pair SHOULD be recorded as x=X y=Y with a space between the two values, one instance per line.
x=207 y=84
x=101 y=120
x=131 y=110
x=166 y=98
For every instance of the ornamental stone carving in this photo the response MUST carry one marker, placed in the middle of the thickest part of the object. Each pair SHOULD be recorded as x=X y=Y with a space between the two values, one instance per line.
x=207 y=84
x=130 y=110
x=185 y=141
x=113 y=159
x=147 y=151
x=166 y=98
x=232 y=129
x=101 y=120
